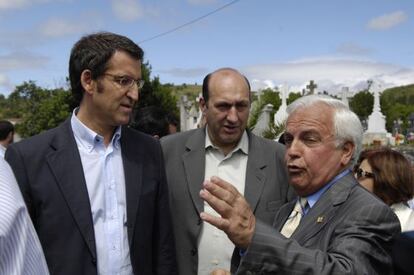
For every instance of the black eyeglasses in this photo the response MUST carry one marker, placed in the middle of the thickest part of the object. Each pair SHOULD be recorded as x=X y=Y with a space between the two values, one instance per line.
x=126 y=81
x=363 y=174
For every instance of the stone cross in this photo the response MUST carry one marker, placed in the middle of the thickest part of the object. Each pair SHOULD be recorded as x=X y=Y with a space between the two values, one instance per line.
x=311 y=86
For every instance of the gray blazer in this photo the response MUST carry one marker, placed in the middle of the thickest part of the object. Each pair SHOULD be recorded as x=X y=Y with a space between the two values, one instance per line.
x=266 y=187
x=348 y=231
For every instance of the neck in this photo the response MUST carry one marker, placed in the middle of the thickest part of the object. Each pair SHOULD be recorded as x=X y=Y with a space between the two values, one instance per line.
x=95 y=125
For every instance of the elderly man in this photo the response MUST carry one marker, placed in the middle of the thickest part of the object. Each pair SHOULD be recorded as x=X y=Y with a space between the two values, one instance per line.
x=334 y=226
x=226 y=149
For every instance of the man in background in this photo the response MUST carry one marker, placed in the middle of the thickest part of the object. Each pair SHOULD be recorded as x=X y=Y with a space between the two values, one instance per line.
x=95 y=189
x=226 y=149
x=6 y=136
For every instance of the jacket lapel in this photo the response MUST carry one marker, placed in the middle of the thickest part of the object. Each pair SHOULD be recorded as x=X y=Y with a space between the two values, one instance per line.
x=66 y=166
x=133 y=178
x=255 y=176
x=194 y=165
x=324 y=210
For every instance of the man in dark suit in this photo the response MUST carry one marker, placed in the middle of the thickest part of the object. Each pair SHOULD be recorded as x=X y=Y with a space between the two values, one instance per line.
x=96 y=190
x=223 y=148
x=335 y=226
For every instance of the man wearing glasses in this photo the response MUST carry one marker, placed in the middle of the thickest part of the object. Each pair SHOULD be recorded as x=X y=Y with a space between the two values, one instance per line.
x=95 y=189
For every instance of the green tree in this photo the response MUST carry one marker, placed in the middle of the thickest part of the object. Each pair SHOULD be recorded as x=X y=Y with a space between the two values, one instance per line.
x=156 y=94
x=292 y=97
x=45 y=113
x=362 y=104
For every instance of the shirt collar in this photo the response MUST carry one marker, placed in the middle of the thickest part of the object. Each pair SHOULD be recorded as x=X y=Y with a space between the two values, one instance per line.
x=88 y=138
x=312 y=199
x=243 y=144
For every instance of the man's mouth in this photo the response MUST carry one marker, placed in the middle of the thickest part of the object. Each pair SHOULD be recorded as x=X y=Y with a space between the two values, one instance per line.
x=294 y=169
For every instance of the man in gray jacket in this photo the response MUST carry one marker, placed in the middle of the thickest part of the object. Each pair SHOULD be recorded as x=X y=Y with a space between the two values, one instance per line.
x=226 y=149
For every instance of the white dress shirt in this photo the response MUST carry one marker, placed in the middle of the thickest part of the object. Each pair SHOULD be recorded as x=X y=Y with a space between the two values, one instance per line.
x=20 y=249
x=214 y=247
x=105 y=181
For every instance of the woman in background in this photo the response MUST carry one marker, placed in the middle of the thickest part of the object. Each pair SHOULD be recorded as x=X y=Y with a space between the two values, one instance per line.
x=389 y=175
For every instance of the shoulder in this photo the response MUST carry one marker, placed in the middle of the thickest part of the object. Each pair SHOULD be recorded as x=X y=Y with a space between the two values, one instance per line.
x=181 y=138
x=267 y=144
x=39 y=141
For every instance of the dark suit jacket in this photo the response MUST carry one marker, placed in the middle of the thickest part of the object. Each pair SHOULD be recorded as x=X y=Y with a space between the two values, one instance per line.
x=402 y=253
x=266 y=187
x=49 y=172
x=348 y=231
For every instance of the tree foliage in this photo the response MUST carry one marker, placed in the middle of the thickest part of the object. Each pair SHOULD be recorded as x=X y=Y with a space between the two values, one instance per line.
x=39 y=109
x=362 y=104
x=397 y=104
x=156 y=94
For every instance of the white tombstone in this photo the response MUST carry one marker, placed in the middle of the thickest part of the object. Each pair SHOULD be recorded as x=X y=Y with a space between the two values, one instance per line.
x=263 y=121
x=376 y=132
x=281 y=114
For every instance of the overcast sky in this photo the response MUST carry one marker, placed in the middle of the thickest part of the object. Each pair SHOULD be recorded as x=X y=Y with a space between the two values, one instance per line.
x=273 y=42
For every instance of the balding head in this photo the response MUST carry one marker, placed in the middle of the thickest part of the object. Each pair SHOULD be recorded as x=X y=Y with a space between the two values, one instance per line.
x=222 y=73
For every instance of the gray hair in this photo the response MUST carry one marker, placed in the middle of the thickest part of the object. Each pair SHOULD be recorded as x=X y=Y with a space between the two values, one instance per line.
x=347 y=125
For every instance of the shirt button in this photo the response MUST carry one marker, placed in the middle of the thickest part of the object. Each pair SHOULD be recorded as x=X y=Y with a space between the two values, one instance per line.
x=215 y=262
x=193 y=252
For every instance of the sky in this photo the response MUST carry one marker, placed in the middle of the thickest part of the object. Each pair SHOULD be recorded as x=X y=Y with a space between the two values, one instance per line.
x=274 y=43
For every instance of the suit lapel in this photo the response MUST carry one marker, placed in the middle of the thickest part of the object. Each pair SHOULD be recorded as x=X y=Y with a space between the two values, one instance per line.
x=65 y=164
x=324 y=210
x=133 y=177
x=255 y=176
x=194 y=165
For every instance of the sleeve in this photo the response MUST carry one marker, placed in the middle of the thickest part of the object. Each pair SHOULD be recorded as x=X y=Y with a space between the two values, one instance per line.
x=20 y=249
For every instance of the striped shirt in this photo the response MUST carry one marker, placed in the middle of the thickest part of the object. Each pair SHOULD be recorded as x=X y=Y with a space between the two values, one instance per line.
x=20 y=249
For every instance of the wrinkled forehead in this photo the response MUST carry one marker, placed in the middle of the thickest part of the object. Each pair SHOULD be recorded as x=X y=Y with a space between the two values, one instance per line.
x=317 y=117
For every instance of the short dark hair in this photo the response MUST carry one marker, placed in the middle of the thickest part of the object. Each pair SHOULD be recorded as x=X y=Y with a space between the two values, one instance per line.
x=151 y=120
x=206 y=81
x=92 y=52
x=393 y=175
x=5 y=128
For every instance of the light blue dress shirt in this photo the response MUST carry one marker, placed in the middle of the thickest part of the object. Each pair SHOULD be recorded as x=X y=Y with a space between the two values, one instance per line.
x=104 y=174
x=20 y=249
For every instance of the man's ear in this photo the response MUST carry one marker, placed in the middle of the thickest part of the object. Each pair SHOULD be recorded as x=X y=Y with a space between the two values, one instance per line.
x=88 y=84
x=347 y=151
x=203 y=105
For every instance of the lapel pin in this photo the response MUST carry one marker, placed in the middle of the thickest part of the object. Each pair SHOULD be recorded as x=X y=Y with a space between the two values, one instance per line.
x=320 y=219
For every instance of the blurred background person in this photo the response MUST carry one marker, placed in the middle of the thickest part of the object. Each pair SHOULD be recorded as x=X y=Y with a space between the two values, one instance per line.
x=151 y=120
x=172 y=123
x=388 y=174
x=6 y=136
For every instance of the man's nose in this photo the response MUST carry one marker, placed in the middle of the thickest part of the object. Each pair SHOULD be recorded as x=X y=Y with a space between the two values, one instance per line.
x=133 y=93
x=232 y=114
